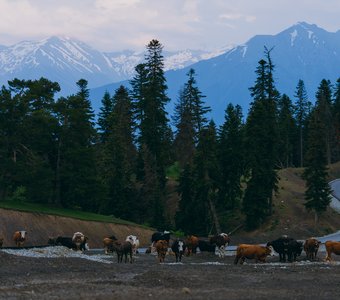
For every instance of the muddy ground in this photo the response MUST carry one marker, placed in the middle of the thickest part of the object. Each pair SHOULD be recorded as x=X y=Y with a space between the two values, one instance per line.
x=204 y=276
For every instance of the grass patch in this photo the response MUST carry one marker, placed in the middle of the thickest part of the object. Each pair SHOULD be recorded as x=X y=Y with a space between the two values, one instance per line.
x=173 y=171
x=63 y=212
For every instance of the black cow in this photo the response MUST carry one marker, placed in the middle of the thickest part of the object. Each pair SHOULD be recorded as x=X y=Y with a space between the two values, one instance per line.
x=280 y=246
x=67 y=242
x=294 y=249
x=157 y=236
x=178 y=247
x=286 y=247
x=205 y=246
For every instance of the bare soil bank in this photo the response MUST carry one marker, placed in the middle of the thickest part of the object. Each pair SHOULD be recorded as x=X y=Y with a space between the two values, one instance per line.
x=40 y=227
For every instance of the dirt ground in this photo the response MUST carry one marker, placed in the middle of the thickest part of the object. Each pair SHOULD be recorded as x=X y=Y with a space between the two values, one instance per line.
x=203 y=276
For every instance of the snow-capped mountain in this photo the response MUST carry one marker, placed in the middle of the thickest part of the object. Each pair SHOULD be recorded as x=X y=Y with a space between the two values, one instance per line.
x=66 y=60
x=303 y=51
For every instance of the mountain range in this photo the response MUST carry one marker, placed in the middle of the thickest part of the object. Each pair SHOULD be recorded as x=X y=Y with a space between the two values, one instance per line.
x=66 y=60
x=302 y=51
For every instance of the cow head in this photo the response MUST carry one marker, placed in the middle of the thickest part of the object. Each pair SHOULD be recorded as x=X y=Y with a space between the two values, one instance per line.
x=270 y=250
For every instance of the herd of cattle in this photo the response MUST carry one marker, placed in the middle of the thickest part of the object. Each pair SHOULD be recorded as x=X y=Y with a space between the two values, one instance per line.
x=287 y=248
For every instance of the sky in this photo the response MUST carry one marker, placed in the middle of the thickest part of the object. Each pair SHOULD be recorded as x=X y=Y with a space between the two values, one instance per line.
x=115 y=25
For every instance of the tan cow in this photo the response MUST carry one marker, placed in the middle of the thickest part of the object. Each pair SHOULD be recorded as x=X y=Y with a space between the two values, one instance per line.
x=332 y=247
x=108 y=244
x=192 y=243
x=311 y=247
x=19 y=238
x=161 y=248
x=257 y=252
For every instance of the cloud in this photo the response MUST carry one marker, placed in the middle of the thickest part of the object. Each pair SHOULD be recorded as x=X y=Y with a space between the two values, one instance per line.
x=130 y=24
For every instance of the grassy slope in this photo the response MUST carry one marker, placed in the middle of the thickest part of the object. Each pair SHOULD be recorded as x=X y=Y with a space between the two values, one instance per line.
x=289 y=214
x=57 y=211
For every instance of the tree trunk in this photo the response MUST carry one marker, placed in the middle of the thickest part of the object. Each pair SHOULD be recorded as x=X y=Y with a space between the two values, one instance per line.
x=214 y=215
x=316 y=219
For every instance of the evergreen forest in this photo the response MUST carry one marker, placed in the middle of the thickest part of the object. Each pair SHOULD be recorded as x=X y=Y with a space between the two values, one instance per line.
x=56 y=151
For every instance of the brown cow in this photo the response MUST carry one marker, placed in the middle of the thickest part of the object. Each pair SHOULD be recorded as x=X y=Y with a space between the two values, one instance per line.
x=332 y=247
x=19 y=238
x=192 y=243
x=108 y=244
x=259 y=253
x=123 y=249
x=311 y=247
x=161 y=248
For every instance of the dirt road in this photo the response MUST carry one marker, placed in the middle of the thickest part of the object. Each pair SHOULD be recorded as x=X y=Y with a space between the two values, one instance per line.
x=204 y=276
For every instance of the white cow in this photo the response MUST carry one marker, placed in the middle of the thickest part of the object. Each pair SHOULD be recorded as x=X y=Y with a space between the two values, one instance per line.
x=80 y=240
x=134 y=242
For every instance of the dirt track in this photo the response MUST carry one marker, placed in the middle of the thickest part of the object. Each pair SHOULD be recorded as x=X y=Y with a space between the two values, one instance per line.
x=204 y=276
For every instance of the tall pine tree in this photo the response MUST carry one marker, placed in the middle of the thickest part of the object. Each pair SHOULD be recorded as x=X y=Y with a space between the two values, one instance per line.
x=317 y=194
x=261 y=139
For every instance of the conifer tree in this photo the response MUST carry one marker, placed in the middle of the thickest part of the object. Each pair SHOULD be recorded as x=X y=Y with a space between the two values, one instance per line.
x=336 y=118
x=261 y=139
x=149 y=95
x=317 y=194
x=205 y=174
x=190 y=118
x=324 y=103
x=287 y=131
x=231 y=158
x=79 y=185
x=301 y=111
x=186 y=203
x=103 y=116
x=119 y=157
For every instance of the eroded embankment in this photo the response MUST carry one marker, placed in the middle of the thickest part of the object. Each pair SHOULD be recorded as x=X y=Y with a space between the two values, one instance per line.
x=40 y=227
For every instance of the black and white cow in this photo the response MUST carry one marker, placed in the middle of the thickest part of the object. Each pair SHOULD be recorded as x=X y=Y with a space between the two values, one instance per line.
x=81 y=241
x=178 y=247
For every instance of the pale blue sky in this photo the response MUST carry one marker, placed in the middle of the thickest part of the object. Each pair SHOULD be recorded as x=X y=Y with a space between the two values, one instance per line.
x=111 y=25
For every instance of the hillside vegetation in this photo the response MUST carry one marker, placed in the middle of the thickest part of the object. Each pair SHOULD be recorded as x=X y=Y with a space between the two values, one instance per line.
x=289 y=214
x=289 y=217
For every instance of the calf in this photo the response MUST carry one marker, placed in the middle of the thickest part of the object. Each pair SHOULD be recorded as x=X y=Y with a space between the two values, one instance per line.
x=108 y=244
x=332 y=247
x=178 y=247
x=134 y=242
x=161 y=248
x=123 y=249
x=311 y=247
x=192 y=243
x=259 y=253
x=19 y=238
